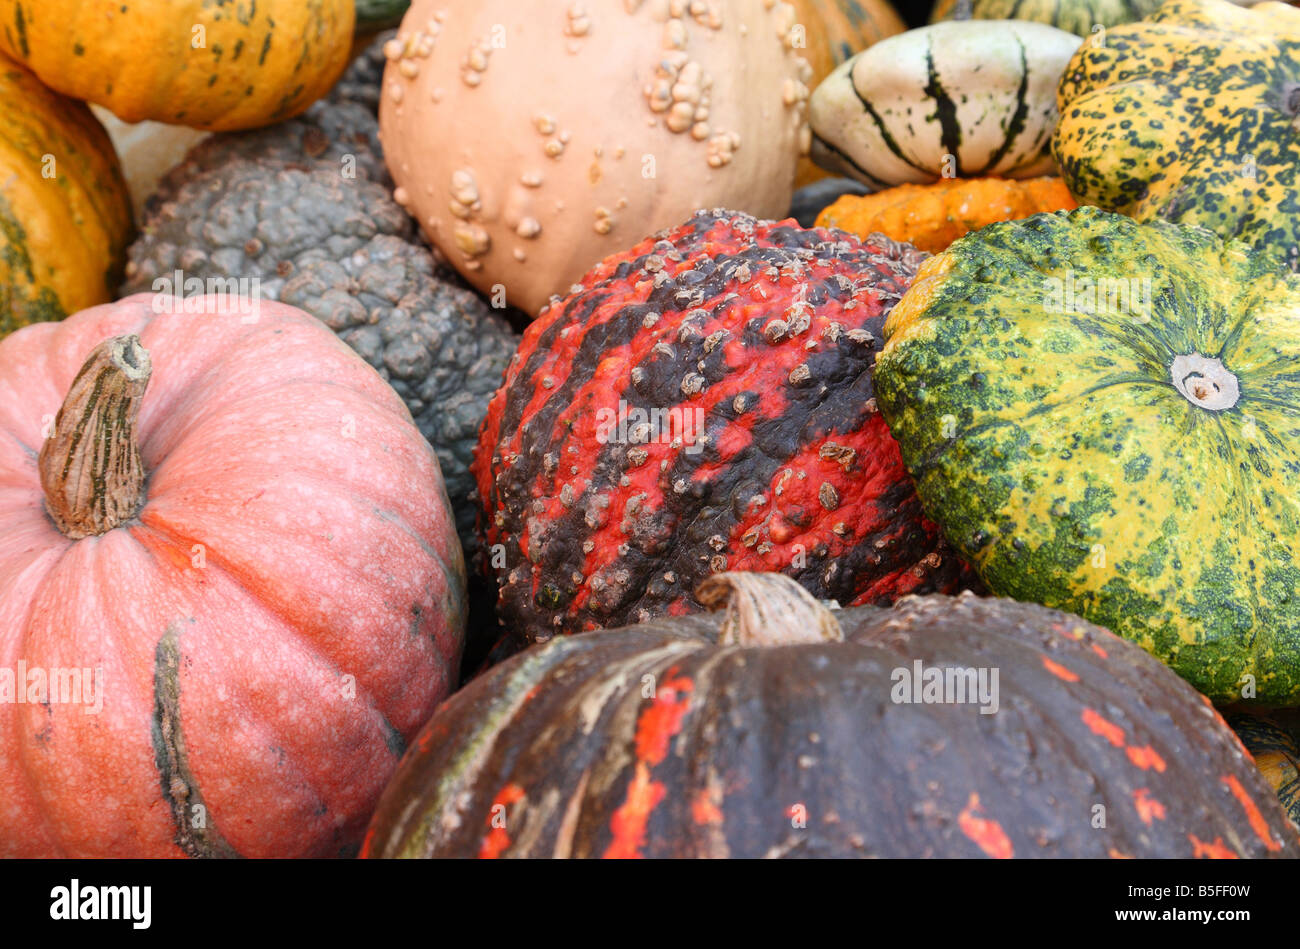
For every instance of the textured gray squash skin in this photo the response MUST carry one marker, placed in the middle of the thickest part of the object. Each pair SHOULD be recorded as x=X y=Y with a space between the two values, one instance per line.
x=306 y=208
x=435 y=341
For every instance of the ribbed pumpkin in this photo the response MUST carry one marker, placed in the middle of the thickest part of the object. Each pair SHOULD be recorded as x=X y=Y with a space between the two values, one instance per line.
x=947 y=100
x=836 y=29
x=1074 y=16
x=65 y=215
x=930 y=217
x=700 y=403
x=186 y=62
x=1191 y=116
x=1104 y=417
x=786 y=730
x=236 y=534
x=833 y=31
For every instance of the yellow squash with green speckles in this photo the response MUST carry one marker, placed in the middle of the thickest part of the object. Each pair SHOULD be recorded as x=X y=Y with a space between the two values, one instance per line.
x=1104 y=417
x=1192 y=115
x=210 y=65
x=65 y=215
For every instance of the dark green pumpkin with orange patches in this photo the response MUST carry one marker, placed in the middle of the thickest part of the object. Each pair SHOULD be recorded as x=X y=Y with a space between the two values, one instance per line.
x=700 y=403
x=217 y=66
x=779 y=730
x=1191 y=116
x=1104 y=416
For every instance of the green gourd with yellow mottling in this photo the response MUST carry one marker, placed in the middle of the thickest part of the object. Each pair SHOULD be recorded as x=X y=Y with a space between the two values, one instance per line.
x=216 y=66
x=1075 y=16
x=1191 y=116
x=1104 y=417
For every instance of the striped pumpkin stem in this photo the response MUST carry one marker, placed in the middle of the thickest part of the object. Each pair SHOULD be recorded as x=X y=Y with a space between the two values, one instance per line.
x=767 y=609
x=90 y=465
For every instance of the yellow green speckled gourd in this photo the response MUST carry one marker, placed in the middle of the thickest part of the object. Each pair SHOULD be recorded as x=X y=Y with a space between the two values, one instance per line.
x=1192 y=115
x=205 y=64
x=1104 y=417
x=1074 y=16
x=65 y=215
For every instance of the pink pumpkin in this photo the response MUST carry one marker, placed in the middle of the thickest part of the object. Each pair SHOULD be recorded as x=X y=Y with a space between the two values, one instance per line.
x=254 y=560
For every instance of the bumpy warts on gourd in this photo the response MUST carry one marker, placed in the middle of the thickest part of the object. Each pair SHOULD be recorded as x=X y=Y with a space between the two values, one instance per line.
x=701 y=403
x=701 y=104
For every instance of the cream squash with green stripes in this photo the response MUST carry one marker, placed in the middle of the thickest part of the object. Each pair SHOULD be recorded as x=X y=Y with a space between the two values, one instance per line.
x=951 y=100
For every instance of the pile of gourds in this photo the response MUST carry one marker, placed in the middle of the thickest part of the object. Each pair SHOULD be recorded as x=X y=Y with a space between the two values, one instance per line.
x=426 y=434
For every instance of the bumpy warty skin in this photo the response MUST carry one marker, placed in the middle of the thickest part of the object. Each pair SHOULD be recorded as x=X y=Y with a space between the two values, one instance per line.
x=761 y=336
x=342 y=135
x=437 y=343
x=363 y=80
x=274 y=203
x=252 y=203
x=260 y=219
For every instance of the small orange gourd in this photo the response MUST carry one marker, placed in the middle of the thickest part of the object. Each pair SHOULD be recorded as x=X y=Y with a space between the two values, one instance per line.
x=932 y=216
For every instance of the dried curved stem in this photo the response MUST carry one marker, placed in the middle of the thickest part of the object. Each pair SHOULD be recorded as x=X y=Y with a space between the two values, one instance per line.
x=767 y=609
x=90 y=466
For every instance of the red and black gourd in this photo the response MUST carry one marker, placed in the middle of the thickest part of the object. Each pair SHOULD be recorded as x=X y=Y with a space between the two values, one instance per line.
x=700 y=403
x=779 y=732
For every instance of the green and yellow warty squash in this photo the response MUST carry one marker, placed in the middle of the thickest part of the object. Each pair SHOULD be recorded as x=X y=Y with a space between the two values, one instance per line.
x=1104 y=417
x=1192 y=115
x=65 y=215
x=1074 y=16
x=205 y=64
